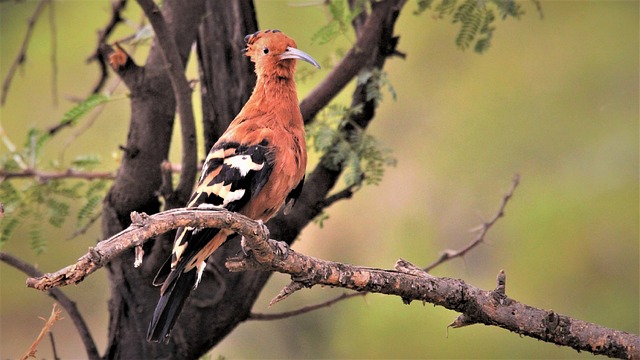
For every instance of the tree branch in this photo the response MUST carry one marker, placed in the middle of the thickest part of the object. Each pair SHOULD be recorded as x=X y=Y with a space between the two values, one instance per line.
x=53 y=32
x=352 y=63
x=406 y=281
x=446 y=255
x=22 y=54
x=182 y=92
x=116 y=10
x=53 y=318
x=63 y=300
x=477 y=306
x=50 y=175
x=483 y=229
x=303 y=310
x=41 y=175
x=142 y=228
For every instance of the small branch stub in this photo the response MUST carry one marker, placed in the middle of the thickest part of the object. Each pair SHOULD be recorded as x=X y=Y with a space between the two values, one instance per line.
x=499 y=294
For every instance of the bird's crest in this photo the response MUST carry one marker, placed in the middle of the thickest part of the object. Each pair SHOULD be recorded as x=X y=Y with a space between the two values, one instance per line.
x=267 y=48
x=251 y=38
x=269 y=42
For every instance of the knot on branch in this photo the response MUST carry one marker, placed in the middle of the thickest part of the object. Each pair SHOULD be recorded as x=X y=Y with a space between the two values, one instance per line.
x=139 y=219
x=556 y=325
x=499 y=295
x=406 y=267
x=95 y=256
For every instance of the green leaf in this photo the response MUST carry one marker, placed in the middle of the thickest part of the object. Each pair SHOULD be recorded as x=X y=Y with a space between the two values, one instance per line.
x=320 y=219
x=58 y=211
x=85 y=162
x=340 y=22
x=423 y=5
x=72 y=116
x=8 y=225
x=36 y=238
x=476 y=18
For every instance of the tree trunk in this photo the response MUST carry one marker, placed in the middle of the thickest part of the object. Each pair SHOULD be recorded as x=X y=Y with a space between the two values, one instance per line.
x=137 y=183
x=222 y=299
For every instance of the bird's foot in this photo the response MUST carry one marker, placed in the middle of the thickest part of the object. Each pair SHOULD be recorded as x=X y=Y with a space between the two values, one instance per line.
x=281 y=247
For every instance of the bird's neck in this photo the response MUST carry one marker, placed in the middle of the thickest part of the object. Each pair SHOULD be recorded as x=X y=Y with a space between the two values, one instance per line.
x=274 y=93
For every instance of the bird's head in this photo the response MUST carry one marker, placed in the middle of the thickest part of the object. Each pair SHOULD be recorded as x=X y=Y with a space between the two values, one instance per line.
x=273 y=52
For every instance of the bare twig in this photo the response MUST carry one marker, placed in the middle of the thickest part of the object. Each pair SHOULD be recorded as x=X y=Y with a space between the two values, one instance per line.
x=48 y=175
x=53 y=318
x=53 y=347
x=22 y=54
x=483 y=229
x=54 y=53
x=304 y=310
x=345 y=193
x=83 y=230
x=448 y=254
x=116 y=10
x=63 y=300
x=182 y=92
x=42 y=175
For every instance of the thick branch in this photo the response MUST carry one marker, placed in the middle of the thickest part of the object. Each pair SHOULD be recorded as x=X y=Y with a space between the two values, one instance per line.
x=406 y=281
x=182 y=92
x=477 y=306
x=352 y=63
x=144 y=227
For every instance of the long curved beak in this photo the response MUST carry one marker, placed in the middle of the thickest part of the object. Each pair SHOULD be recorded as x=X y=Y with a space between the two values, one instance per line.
x=293 y=53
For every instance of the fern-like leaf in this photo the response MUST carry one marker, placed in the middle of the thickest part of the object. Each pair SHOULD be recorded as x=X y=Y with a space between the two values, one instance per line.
x=446 y=7
x=72 y=116
x=8 y=226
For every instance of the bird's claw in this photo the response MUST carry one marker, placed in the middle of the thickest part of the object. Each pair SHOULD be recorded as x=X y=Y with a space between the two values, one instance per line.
x=281 y=247
x=246 y=250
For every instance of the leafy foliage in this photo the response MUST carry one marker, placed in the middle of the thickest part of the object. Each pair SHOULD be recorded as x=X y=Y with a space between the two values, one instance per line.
x=476 y=18
x=36 y=202
x=359 y=154
x=77 y=112
x=340 y=22
x=374 y=81
x=38 y=137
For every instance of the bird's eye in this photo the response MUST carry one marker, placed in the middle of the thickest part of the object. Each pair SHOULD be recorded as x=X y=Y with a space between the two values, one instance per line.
x=265 y=50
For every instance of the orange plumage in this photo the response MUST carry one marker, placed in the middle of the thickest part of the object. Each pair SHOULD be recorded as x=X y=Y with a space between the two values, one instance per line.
x=255 y=168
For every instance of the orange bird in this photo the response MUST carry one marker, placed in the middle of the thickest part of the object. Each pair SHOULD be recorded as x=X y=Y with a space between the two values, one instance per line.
x=256 y=166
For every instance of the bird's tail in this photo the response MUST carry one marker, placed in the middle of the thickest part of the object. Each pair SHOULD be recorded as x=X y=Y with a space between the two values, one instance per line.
x=180 y=278
x=170 y=304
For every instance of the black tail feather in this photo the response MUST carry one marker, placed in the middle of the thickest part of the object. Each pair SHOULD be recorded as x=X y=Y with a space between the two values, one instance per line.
x=169 y=306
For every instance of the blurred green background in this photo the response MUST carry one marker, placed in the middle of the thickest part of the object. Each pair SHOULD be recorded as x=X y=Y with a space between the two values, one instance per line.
x=555 y=99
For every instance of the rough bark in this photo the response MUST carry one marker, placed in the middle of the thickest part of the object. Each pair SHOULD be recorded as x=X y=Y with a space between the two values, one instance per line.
x=226 y=77
x=223 y=299
x=139 y=179
x=406 y=281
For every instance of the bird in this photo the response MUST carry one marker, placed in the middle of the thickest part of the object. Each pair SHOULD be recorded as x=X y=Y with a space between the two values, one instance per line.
x=255 y=168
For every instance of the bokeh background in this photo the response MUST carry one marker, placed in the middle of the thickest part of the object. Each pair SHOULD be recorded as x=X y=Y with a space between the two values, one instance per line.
x=555 y=99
